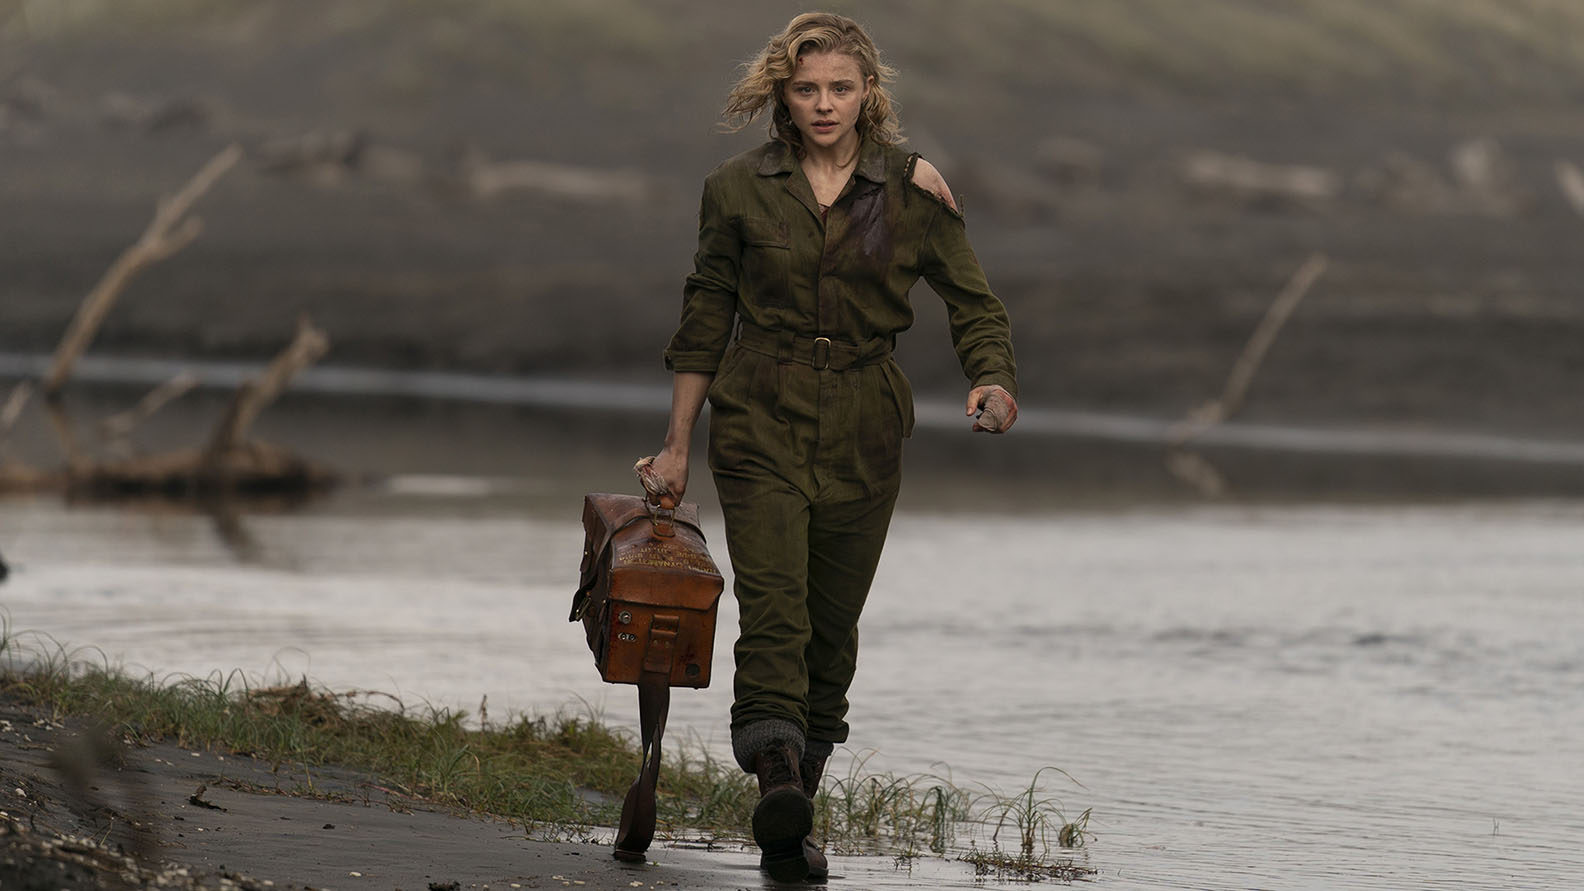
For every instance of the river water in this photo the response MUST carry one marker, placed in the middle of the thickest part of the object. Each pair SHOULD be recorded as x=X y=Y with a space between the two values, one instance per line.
x=1255 y=693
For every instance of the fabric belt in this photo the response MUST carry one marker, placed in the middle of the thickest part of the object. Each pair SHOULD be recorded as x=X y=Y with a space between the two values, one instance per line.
x=819 y=353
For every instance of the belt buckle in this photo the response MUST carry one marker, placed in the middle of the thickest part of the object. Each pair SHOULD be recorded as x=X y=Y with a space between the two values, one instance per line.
x=815 y=359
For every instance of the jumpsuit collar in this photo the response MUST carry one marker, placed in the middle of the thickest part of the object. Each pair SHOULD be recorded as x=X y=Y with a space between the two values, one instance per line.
x=780 y=159
x=871 y=161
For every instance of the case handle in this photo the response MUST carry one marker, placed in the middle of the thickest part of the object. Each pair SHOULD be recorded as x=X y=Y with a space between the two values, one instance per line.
x=663 y=519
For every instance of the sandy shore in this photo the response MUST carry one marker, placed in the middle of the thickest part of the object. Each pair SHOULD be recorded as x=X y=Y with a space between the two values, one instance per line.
x=212 y=820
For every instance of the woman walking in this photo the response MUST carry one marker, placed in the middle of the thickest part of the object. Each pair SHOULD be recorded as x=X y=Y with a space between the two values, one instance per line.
x=808 y=246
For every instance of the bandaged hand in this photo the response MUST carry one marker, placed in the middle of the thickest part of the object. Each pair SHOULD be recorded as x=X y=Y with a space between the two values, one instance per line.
x=661 y=489
x=992 y=408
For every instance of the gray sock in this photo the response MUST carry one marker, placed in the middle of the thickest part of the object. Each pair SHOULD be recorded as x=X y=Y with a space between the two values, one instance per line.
x=749 y=740
x=818 y=749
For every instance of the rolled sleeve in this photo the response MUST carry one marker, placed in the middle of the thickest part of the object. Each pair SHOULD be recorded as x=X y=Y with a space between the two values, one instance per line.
x=980 y=328
x=709 y=297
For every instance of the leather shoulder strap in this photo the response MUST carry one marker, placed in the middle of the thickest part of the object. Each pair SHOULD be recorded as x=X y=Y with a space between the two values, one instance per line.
x=638 y=810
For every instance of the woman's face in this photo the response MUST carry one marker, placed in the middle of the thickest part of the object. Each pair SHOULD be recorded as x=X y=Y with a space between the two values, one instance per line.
x=825 y=96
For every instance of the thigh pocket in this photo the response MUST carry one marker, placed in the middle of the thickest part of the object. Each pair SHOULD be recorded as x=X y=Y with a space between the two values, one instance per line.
x=882 y=426
x=901 y=394
x=725 y=373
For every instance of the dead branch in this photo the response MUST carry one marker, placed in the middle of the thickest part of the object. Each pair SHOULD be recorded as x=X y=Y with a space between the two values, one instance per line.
x=169 y=231
x=1197 y=471
x=117 y=429
x=305 y=349
x=1194 y=469
x=11 y=411
x=1247 y=178
x=486 y=179
x=1247 y=365
x=1571 y=181
x=66 y=434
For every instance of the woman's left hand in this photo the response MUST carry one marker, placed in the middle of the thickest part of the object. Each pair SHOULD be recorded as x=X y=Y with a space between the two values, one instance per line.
x=994 y=407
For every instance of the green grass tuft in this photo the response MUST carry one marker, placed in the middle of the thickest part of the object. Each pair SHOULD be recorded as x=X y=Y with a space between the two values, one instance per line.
x=561 y=777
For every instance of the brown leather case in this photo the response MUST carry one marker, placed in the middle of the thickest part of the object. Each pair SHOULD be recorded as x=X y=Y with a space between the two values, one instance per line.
x=648 y=591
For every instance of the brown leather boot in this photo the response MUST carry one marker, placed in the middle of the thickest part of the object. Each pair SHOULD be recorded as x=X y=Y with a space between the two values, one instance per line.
x=784 y=817
x=812 y=769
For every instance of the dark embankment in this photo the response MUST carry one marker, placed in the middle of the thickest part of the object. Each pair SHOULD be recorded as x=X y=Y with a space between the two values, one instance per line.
x=512 y=186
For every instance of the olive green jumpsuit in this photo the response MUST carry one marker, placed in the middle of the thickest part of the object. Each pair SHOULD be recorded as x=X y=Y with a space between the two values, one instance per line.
x=795 y=312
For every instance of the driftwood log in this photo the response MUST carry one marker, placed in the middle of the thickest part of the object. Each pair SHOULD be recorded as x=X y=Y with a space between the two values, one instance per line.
x=170 y=231
x=19 y=479
x=229 y=463
x=252 y=469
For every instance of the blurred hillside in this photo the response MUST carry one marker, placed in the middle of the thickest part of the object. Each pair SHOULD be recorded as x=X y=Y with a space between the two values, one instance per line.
x=512 y=185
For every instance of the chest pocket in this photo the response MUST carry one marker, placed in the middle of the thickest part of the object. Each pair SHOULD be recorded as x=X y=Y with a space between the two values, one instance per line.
x=766 y=261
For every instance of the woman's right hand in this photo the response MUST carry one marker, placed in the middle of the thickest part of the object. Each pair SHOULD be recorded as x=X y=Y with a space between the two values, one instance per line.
x=670 y=471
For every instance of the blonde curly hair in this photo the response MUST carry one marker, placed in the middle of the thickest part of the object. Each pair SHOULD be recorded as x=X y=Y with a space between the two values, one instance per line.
x=817 y=32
